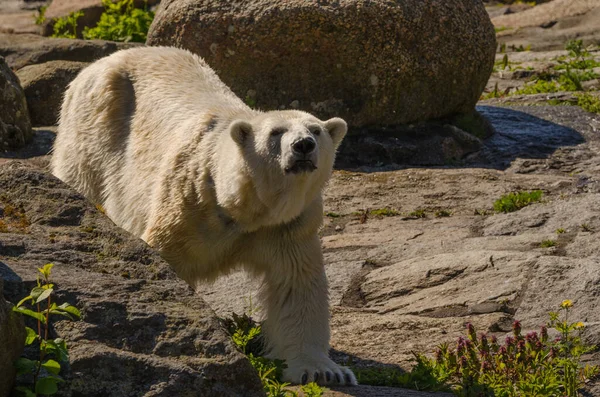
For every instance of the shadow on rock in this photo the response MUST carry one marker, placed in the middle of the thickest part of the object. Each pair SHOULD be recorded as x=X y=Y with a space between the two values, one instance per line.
x=520 y=132
x=526 y=132
x=378 y=384
x=41 y=145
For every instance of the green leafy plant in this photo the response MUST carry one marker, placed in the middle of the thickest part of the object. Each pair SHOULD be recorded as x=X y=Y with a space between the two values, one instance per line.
x=589 y=102
x=66 y=27
x=560 y=230
x=515 y=201
x=539 y=87
x=44 y=371
x=121 y=21
x=312 y=390
x=495 y=93
x=40 y=17
x=548 y=243
x=576 y=68
x=381 y=212
x=418 y=213
x=525 y=365
x=421 y=377
x=246 y=334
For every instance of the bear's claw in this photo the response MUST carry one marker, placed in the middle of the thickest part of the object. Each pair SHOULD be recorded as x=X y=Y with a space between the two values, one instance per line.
x=300 y=372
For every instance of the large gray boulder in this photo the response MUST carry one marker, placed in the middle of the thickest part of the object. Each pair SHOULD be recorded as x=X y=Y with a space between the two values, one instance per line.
x=44 y=85
x=12 y=337
x=15 y=126
x=373 y=62
x=143 y=331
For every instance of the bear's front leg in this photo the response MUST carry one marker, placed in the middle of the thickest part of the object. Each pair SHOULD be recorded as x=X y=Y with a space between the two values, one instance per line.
x=295 y=297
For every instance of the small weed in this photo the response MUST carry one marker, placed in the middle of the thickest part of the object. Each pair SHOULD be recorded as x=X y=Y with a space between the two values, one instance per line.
x=443 y=213
x=52 y=352
x=246 y=334
x=381 y=212
x=66 y=27
x=588 y=102
x=520 y=48
x=250 y=101
x=539 y=87
x=40 y=17
x=332 y=214
x=495 y=93
x=121 y=21
x=418 y=213
x=481 y=212
x=548 y=243
x=577 y=67
x=312 y=390
x=560 y=230
x=362 y=215
x=515 y=201
x=586 y=228
x=421 y=377
x=500 y=29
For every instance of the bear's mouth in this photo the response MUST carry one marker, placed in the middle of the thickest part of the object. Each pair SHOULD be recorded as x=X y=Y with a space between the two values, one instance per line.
x=301 y=166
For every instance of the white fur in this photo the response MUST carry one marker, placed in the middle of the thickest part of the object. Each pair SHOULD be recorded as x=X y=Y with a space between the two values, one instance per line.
x=176 y=158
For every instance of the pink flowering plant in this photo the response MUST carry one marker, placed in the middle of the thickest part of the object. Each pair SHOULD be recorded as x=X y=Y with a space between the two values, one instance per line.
x=524 y=365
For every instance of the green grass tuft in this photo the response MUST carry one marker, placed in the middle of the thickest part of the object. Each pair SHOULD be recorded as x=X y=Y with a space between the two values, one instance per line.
x=589 y=102
x=418 y=213
x=381 y=212
x=515 y=201
x=548 y=243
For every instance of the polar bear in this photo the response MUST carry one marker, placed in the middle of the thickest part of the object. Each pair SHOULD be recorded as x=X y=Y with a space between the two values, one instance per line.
x=174 y=157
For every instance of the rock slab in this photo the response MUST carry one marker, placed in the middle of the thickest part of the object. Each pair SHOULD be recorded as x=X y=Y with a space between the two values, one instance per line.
x=372 y=62
x=44 y=85
x=28 y=49
x=12 y=338
x=15 y=126
x=144 y=332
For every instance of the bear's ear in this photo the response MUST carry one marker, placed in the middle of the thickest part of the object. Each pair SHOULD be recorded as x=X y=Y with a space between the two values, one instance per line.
x=337 y=129
x=240 y=130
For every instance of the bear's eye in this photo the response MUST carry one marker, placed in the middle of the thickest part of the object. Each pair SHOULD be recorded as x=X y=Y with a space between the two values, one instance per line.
x=277 y=131
x=316 y=131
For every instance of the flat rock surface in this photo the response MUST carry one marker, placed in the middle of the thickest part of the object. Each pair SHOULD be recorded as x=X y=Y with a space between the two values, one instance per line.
x=548 y=26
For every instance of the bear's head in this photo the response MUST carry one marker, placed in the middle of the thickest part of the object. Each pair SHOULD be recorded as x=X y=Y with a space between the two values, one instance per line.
x=289 y=155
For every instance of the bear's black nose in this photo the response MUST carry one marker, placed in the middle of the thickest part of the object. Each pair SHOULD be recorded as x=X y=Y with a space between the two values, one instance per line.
x=304 y=145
